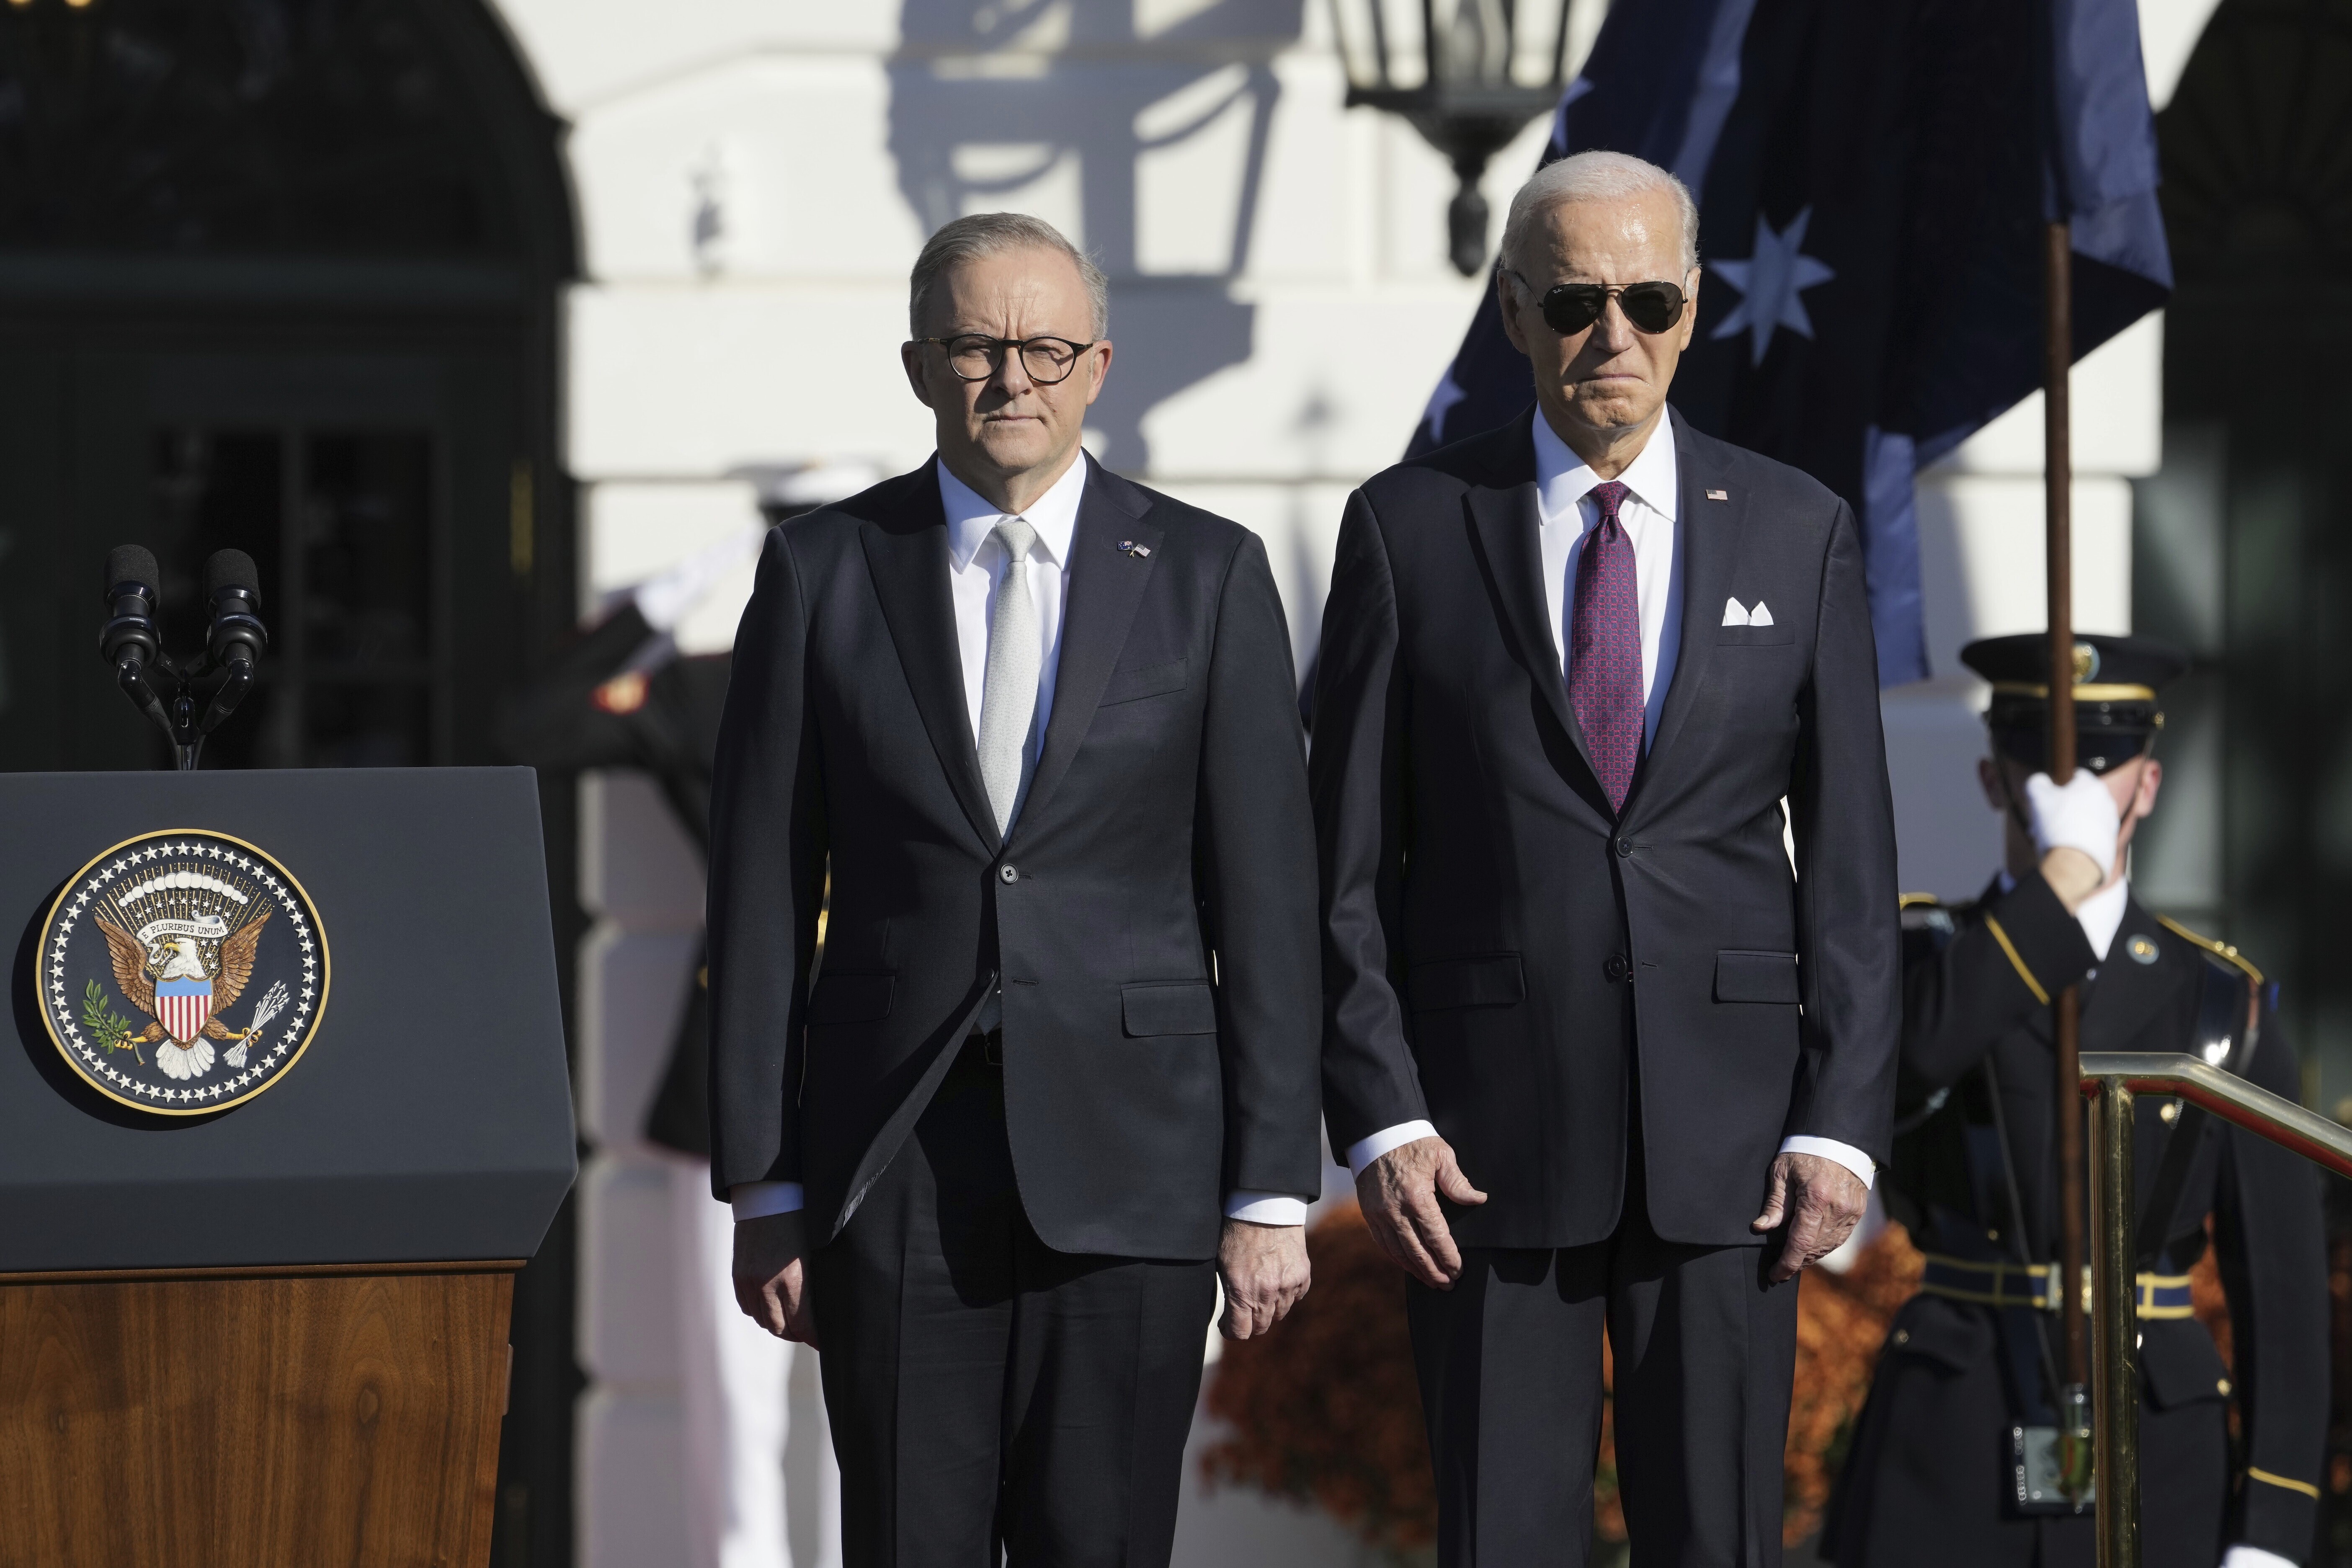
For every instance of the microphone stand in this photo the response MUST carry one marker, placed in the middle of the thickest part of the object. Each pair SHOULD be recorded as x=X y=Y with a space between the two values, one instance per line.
x=194 y=700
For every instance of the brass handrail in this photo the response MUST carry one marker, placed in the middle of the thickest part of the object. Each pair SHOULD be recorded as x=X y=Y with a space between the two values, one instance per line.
x=2110 y=1080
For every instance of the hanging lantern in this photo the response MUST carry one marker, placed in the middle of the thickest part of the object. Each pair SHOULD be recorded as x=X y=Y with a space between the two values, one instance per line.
x=1467 y=74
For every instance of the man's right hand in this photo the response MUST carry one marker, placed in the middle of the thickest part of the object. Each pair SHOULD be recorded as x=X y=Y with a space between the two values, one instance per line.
x=771 y=1275
x=1398 y=1192
x=2076 y=827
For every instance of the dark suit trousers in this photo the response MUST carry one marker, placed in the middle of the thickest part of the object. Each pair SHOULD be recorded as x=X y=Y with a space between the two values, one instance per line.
x=1510 y=1384
x=985 y=1391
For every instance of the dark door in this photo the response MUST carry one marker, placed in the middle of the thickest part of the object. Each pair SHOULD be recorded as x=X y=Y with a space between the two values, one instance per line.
x=388 y=500
x=2245 y=552
x=283 y=275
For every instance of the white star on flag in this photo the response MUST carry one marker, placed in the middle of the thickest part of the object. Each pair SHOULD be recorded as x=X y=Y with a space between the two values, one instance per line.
x=1771 y=279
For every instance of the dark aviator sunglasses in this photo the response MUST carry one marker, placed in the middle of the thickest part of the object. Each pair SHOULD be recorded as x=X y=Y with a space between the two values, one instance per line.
x=1570 y=307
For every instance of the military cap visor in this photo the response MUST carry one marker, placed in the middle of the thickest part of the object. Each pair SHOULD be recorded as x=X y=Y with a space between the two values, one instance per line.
x=2118 y=709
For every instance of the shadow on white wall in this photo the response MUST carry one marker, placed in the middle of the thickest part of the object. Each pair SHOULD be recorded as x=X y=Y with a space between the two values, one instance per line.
x=1071 y=109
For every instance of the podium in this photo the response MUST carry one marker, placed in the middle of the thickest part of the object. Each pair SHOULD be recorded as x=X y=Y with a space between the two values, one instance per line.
x=283 y=1108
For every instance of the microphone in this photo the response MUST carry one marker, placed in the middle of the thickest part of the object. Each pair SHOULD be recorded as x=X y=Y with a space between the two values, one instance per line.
x=234 y=641
x=233 y=590
x=130 y=641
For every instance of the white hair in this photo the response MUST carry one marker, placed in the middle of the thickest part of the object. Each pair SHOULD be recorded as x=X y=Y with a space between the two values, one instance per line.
x=987 y=234
x=1596 y=178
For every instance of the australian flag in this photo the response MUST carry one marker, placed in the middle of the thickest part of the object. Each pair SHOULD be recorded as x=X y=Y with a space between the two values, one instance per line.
x=1873 y=179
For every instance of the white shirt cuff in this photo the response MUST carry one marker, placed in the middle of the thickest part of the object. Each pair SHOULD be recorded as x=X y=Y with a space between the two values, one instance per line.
x=2254 y=1557
x=1364 y=1150
x=758 y=1200
x=1266 y=1208
x=1845 y=1154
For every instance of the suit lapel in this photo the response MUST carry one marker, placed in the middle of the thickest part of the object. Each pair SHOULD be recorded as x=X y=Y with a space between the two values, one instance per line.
x=1705 y=554
x=1105 y=587
x=1510 y=536
x=907 y=558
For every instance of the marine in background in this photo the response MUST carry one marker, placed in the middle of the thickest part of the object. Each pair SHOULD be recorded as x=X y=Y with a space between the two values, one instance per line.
x=1950 y=1463
x=620 y=695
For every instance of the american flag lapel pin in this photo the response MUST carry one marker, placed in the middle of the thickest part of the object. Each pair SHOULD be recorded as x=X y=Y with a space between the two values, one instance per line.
x=1129 y=547
x=1719 y=495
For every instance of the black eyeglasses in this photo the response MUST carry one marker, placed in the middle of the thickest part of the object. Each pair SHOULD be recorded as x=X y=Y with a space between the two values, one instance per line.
x=976 y=358
x=1570 y=307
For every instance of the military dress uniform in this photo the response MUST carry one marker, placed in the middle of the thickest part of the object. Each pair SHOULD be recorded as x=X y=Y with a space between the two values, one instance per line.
x=619 y=696
x=1933 y=1476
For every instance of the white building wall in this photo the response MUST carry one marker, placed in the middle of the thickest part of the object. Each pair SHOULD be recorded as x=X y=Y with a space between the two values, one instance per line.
x=754 y=178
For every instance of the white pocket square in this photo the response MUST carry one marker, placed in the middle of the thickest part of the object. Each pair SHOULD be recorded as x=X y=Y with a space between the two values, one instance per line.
x=1733 y=616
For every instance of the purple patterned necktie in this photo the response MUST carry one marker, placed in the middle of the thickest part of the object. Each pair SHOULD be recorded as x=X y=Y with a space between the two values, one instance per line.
x=1604 y=649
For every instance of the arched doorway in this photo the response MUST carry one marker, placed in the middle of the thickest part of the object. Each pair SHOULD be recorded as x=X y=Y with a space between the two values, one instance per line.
x=278 y=274
x=283 y=275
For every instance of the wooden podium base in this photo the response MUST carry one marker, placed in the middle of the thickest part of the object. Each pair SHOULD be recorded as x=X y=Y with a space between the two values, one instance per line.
x=343 y=1413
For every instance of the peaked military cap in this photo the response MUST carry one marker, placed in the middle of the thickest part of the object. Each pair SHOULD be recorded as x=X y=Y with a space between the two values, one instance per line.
x=2118 y=709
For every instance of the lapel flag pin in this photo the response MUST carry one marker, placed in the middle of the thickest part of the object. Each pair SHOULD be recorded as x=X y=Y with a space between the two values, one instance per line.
x=1719 y=495
x=1129 y=547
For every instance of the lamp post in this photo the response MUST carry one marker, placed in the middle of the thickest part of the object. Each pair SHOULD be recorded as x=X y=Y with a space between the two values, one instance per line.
x=1467 y=74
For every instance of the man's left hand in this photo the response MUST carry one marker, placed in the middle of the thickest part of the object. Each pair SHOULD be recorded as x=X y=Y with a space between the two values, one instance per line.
x=1820 y=1200
x=1264 y=1271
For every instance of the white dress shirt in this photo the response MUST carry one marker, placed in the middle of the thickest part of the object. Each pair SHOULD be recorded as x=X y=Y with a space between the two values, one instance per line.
x=1651 y=516
x=976 y=563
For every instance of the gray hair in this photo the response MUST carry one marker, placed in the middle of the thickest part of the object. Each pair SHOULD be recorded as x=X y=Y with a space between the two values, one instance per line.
x=1595 y=177
x=991 y=234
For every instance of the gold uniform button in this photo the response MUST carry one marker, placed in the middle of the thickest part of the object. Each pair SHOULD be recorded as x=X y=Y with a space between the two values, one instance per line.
x=2223 y=1385
x=1902 y=1336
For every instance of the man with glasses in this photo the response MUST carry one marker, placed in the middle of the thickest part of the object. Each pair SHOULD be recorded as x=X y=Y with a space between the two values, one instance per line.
x=1598 y=1051
x=1057 y=1076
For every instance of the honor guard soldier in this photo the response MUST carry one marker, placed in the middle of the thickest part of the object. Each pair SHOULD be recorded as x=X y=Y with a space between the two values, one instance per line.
x=1953 y=1462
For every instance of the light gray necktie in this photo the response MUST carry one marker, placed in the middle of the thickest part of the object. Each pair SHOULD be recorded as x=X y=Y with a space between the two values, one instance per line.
x=1008 y=698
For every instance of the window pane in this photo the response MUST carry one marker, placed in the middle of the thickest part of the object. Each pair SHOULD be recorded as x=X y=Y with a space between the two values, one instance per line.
x=347 y=586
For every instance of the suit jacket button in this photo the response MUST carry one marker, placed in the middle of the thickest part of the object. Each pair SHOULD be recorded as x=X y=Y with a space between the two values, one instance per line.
x=1007 y=873
x=1625 y=847
x=1614 y=968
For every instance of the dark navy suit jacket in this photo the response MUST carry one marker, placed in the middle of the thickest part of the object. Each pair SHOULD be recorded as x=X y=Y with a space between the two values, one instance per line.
x=1152 y=914
x=1503 y=952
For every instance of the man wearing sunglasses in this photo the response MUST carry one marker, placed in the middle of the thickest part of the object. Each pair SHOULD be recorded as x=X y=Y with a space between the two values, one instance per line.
x=1602 y=1053
x=1057 y=1073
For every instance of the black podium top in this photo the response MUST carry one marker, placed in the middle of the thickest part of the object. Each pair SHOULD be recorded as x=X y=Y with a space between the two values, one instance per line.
x=425 y=1112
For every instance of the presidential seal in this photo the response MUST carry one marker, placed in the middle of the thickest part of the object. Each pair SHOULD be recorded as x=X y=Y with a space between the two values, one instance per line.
x=183 y=973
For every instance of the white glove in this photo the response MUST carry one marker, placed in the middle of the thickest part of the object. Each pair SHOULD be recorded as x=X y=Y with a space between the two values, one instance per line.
x=2082 y=815
x=664 y=601
x=2254 y=1557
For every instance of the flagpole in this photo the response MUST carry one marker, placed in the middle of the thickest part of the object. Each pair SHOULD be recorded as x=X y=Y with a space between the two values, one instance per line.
x=2057 y=322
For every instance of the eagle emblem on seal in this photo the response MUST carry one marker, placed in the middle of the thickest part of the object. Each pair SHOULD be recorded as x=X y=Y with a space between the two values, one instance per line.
x=184 y=972
x=180 y=977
